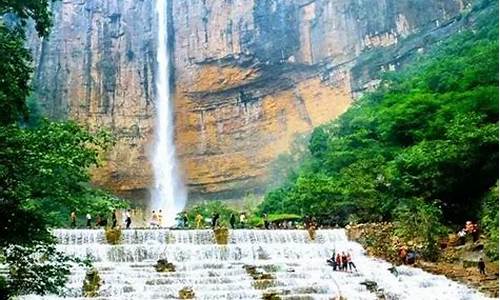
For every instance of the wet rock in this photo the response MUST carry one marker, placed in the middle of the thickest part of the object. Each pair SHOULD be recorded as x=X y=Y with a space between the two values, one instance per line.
x=186 y=293
x=91 y=283
x=162 y=265
x=113 y=236
x=221 y=235
x=371 y=286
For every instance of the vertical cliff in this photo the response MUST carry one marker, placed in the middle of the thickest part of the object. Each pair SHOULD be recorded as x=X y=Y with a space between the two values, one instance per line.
x=249 y=75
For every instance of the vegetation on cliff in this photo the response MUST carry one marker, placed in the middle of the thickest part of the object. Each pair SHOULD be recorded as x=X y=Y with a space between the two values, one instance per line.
x=423 y=144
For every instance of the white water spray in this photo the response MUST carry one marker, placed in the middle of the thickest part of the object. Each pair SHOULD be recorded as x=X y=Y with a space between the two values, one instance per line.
x=169 y=193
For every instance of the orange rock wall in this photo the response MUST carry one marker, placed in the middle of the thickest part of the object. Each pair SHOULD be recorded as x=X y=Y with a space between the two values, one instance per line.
x=248 y=75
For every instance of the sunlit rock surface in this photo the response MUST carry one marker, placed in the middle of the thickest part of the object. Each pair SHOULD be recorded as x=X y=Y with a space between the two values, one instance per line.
x=249 y=75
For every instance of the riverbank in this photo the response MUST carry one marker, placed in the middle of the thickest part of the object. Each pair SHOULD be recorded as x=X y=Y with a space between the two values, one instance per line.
x=456 y=263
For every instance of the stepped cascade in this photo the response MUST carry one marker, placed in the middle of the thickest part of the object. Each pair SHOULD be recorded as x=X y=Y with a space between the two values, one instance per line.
x=296 y=265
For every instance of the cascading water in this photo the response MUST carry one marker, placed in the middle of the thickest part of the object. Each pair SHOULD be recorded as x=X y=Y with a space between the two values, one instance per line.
x=168 y=193
x=296 y=264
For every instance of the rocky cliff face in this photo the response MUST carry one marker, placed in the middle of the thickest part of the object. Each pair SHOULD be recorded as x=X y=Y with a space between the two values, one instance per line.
x=248 y=76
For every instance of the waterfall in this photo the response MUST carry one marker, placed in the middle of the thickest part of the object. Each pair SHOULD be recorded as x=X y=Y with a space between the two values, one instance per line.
x=168 y=193
x=297 y=266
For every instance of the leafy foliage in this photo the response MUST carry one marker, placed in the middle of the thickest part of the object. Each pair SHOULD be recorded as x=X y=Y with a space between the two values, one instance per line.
x=15 y=65
x=420 y=223
x=37 y=269
x=208 y=209
x=489 y=221
x=428 y=135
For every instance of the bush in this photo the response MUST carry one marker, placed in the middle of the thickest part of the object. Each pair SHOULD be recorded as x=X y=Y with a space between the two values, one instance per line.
x=39 y=269
x=419 y=222
x=489 y=221
x=91 y=283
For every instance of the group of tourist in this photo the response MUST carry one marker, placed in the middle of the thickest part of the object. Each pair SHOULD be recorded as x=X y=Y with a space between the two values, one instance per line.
x=342 y=261
x=470 y=229
x=101 y=220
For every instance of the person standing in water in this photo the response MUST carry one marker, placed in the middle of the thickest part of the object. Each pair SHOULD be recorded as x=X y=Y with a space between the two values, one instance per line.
x=73 y=218
x=344 y=261
x=89 y=219
x=350 y=263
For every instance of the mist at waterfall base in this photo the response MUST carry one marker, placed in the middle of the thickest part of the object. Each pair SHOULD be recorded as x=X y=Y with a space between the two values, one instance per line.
x=297 y=265
x=168 y=193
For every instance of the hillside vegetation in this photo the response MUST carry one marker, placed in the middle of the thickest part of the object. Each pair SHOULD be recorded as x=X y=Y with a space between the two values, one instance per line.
x=421 y=150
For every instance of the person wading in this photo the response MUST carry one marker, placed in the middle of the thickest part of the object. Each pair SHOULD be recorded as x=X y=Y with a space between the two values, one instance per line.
x=350 y=263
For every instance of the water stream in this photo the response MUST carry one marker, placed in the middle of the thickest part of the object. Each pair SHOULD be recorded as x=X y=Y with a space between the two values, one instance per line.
x=216 y=272
x=168 y=192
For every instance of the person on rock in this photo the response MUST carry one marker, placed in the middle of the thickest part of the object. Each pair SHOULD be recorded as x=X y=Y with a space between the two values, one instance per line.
x=350 y=263
x=232 y=221
x=128 y=219
x=481 y=266
x=73 y=218
x=89 y=219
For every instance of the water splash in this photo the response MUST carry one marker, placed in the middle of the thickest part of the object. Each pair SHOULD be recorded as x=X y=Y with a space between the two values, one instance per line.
x=168 y=193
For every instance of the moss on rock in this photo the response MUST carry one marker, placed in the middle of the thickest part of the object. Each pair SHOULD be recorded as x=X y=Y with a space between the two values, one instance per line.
x=113 y=236
x=91 y=283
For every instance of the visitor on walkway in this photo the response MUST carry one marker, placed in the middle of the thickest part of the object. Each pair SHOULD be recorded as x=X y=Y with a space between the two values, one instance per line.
x=128 y=219
x=113 y=218
x=350 y=263
x=198 y=220
x=154 y=220
x=232 y=221
x=103 y=221
x=266 y=221
x=481 y=266
x=73 y=218
x=160 y=219
x=89 y=219
x=215 y=220
x=242 y=220
x=185 y=220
